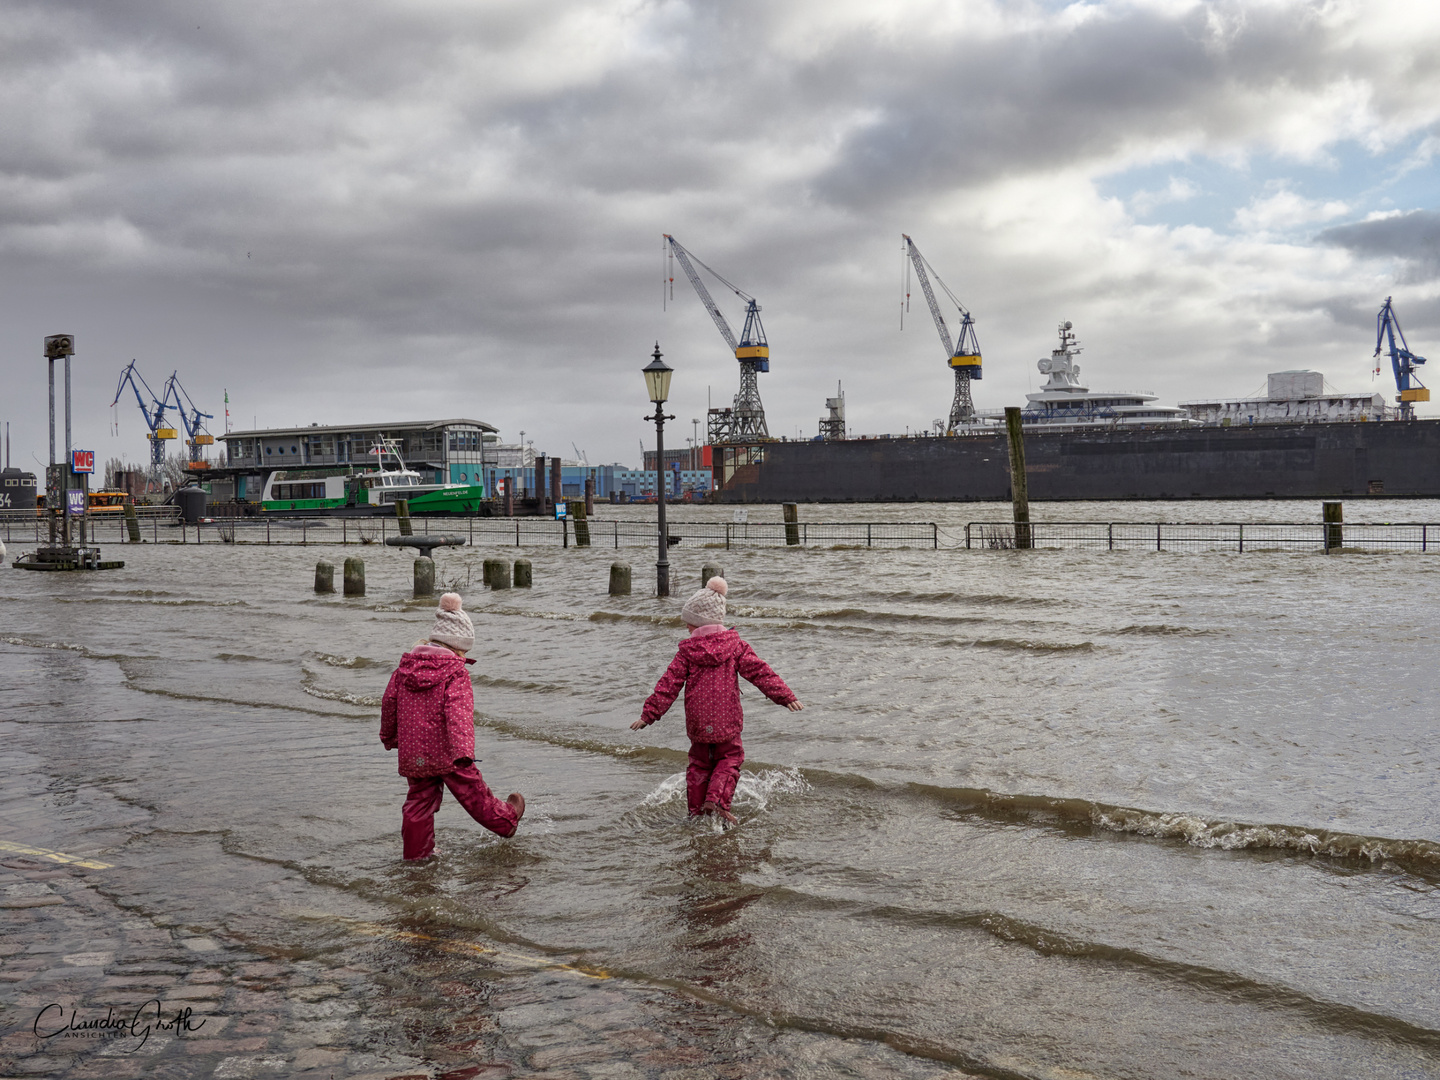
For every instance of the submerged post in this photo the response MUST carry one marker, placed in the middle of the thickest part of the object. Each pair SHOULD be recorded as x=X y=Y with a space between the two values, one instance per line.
x=324 y=577
x=498 y=574
x=708 y=571
x=791 y=513
x=132 y=523
x=523 y=573
x=424 y=576
x=589 y=497
x=1019 y=488
x=1334 y=514
x=578 y=511
x=354 y=576
x=620 y=579
x=402 y=514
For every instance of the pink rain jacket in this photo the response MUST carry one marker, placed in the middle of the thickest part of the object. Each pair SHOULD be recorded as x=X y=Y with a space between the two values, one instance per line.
x=708 y=667
x=428 y=711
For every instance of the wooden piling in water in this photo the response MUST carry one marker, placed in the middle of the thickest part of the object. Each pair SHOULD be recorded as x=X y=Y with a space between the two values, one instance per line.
x=499 y=573
x=589 y=497
x=324 y=577
x=791 y=512
x=402 y=514
x=354 y=576
x=708 y=571
x=619 y=579
x=1019 y=486
x=132 y=523
x=1334 y=515
x=424 y=576
x=523 y=573
x=576 y=510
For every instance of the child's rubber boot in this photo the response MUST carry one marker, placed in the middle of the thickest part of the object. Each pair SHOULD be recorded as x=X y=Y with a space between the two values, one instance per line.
x=517 y=800
x=716 y=808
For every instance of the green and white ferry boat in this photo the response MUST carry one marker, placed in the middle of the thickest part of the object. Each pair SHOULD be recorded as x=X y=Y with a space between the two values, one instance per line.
x=366 y=492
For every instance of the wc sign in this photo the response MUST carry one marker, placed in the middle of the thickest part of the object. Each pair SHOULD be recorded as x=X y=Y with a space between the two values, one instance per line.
x=82 y=461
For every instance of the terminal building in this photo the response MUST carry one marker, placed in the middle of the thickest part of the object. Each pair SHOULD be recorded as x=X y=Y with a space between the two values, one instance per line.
x=442 y=451
x=1291 y=397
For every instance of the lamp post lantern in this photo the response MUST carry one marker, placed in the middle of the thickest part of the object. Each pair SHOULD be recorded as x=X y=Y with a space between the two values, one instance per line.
x=657 y=384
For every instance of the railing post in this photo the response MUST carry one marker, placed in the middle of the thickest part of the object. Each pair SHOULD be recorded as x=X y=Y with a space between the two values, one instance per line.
x=1242 y=537
x=1019 y=485
x=1110 y=531
x=935 y=536
x=727 y=536
x=967 y=536
x=1157 y=536
x=1334 y=514
x=517 y=532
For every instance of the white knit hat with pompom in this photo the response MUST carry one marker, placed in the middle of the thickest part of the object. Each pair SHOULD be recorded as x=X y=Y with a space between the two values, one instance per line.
x=707 y=606
x=452 y=626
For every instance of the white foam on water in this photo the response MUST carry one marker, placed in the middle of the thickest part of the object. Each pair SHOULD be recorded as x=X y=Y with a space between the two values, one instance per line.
x=753 y=792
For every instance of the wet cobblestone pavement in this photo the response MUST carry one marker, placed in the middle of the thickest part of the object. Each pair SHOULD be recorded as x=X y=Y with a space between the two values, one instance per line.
x=92 y=991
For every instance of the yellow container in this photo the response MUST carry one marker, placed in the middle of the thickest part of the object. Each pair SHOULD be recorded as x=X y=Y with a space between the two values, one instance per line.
x=1418 y=393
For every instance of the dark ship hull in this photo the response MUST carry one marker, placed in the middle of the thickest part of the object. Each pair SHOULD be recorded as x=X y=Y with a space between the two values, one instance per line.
x=1398 y=458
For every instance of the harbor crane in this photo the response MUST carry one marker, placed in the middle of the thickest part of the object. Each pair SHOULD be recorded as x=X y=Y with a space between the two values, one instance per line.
x=1402 y=360
x=965 y=353
x=154 y=414
x=745 y=420
x=192 y=420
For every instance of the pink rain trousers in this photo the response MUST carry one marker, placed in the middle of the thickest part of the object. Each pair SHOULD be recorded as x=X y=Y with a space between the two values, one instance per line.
x=417 y=826
x=712 y=773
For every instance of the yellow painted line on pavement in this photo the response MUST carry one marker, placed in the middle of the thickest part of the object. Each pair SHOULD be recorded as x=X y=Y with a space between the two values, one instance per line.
x=371 y=929
x=54 y=856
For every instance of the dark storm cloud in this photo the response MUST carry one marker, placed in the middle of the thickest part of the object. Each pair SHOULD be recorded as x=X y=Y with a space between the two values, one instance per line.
x=1414 y=237
x=487 y=183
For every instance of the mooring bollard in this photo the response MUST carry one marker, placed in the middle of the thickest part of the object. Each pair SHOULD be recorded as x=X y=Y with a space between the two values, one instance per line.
x=576 y=511
x=792 y=523
x=1019 y=483
x=708 y=572
x=402 y=514
x=523 y=573
x=485 y=572
x=620 y=579
x=354 y=576
x=424 y=576
x=499 y=575
x=324 y=576
x=1334 y=514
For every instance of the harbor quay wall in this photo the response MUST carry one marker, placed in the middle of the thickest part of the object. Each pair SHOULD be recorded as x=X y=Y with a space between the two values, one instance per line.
x=1319 y=460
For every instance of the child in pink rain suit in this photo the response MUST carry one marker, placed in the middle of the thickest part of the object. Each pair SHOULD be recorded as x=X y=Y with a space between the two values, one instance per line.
x=428 y=714
x=708 y=666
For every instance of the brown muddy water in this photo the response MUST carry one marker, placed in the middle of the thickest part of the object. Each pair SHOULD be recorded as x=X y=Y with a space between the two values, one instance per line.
x=1048 y=814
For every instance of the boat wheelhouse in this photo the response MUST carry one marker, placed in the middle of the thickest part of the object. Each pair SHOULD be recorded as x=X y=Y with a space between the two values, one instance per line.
x=336 y=489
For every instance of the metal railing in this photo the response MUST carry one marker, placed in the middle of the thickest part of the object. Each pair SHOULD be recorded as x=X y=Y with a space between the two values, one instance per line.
x=157 y=526
x=544 y=532
x=1207 y=536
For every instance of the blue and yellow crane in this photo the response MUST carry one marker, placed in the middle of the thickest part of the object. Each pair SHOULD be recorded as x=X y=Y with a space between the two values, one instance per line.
x=965 y=353
x=1402 y=360
x=193 y=419
x=154 y=414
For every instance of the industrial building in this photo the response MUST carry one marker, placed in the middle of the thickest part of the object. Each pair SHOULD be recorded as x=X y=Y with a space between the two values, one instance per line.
x=1291 y=397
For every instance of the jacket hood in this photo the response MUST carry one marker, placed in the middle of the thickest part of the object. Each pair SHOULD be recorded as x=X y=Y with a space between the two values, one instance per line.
x=424 y=668
x=712 y=649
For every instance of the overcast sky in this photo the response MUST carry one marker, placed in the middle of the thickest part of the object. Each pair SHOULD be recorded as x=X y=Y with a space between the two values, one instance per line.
x=366 y=210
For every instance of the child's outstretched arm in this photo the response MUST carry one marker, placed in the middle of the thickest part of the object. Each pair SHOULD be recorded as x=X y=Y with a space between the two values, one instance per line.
x=763 y=676
x=665 y=692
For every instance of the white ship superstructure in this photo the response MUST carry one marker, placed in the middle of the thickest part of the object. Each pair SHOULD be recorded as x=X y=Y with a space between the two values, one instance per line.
x=1065 y=402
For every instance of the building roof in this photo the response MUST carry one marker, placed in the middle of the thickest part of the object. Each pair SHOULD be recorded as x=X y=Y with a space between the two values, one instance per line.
x=404 y=425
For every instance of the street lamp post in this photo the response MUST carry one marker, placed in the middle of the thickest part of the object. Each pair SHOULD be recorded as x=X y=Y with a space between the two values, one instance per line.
x=657 y=383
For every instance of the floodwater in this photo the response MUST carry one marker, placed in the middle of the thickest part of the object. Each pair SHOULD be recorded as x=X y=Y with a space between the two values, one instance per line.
x=1046 y=814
